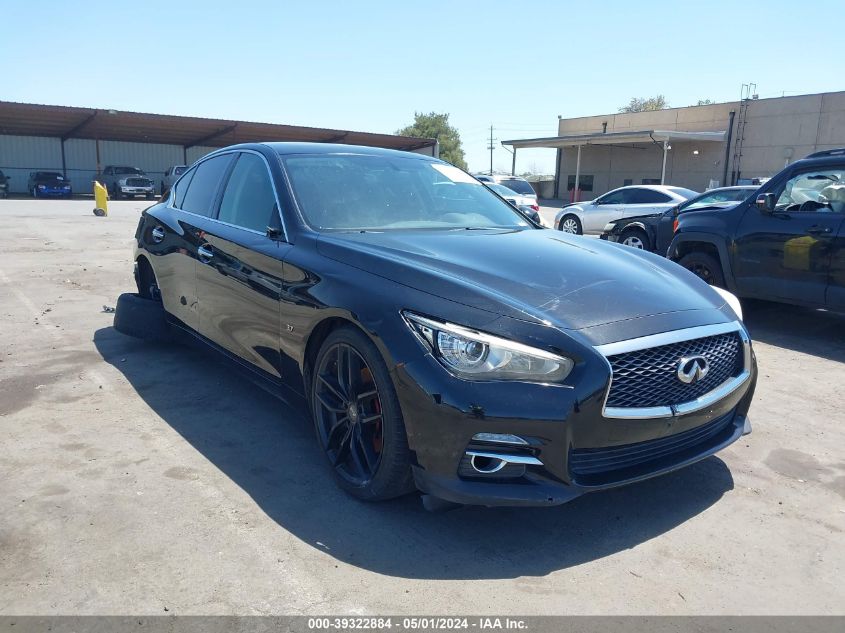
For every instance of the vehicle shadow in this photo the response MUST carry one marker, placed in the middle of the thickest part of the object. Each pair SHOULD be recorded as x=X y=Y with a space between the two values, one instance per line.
x=273 y=457
x=817 y=332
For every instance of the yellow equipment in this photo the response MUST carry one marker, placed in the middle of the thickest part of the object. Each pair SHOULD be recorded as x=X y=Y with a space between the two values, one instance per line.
x=101 y=200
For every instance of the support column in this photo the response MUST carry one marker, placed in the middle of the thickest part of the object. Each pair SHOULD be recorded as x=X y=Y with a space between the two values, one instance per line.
x=577 y=176
x=663 y=171
x=513 y=162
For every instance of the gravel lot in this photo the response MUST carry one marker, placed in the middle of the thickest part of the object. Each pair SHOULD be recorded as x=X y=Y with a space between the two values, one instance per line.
x=142 y=479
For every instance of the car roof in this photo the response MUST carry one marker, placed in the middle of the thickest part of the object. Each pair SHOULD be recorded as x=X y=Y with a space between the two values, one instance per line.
x=328 y=148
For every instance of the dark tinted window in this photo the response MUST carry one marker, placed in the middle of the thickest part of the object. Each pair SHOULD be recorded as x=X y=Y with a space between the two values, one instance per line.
x=204 y=184
x=179 y=170
x=615 y=197
x=248 y=200
x=518 y=185
x=648 y=196
x=181 y=188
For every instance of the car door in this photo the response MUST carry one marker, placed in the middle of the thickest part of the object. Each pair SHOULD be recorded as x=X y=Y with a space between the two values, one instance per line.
x=175 y=235
x=835 y=296
x=604 y=209
x=786 y=253
x=240 y=266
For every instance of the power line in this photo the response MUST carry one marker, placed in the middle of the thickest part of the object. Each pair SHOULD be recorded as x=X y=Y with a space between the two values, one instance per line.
x=491 y=147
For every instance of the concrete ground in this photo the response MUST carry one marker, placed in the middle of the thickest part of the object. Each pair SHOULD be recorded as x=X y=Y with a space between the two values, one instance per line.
x=139 y=479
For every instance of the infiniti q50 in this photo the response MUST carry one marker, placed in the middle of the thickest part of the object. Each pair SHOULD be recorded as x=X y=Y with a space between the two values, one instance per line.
x=442 y=341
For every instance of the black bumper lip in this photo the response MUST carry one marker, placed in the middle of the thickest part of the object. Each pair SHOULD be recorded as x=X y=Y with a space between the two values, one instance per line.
x=443 y=413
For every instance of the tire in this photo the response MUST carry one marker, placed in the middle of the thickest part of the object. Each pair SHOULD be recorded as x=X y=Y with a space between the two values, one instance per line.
x=704 y=266
x=369 y=453
x=635 y=238
x=141 y=318
x=114 y=193
x=570 y=224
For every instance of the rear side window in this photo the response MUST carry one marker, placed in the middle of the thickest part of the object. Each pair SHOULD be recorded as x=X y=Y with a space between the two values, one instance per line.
x=248 y=200
x=204 y=185
x=648 y=196
x=181 y=188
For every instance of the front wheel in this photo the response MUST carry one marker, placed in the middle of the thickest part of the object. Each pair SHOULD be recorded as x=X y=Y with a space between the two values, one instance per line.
x=357 y=418
x=704 y=266
x=570 y=224
x=635 y=238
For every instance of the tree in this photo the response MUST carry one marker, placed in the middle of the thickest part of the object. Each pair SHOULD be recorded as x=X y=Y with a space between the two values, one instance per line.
x=705 y=102
x=434 y=125
x=645 y=105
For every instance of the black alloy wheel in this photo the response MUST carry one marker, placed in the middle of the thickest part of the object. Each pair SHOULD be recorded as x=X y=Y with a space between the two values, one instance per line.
x=357 y=418
x=704 y=266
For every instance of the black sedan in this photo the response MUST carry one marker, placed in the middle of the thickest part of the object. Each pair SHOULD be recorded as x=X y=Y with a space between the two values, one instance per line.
x=654 y=232
x=388 y=291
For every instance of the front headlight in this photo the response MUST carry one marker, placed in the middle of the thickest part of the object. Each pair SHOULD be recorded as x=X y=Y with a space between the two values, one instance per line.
x=609 y=227
x=731 y=299
x=122 y=182
x=479 y=356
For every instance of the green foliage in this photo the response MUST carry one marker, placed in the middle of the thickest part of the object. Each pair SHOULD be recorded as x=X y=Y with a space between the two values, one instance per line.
x=645 y=105
x=705 y=102
x=433 y=125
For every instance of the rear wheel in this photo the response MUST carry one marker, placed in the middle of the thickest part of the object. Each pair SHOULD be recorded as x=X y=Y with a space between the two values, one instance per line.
x=357 y=418
x=635 y=238
x=570 y=224
x=705 y=266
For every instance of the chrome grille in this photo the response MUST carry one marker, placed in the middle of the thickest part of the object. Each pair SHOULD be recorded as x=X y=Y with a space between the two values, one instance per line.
x=138 y=182
x=648 y=377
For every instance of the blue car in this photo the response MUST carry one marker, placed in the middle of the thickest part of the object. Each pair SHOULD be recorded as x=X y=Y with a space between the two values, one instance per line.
x=49 y=183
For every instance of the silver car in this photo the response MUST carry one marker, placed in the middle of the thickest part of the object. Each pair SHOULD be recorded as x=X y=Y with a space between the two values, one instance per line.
x=592 y=216
x=515 y=183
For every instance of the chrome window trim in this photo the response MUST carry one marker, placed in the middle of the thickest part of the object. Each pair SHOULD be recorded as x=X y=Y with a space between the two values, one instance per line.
x=668 y=338
x=170 y=193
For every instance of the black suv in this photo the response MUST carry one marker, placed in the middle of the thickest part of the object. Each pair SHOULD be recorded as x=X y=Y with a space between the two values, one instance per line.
x=785 y=244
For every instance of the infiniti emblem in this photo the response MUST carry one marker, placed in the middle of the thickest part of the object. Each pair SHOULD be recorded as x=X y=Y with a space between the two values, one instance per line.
x=691 y=369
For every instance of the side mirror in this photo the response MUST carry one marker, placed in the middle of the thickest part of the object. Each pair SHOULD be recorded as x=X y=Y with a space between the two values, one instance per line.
x=766 y=202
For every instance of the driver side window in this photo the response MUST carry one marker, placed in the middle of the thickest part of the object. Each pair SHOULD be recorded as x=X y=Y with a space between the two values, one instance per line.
x=614 y=197
x=815 y=191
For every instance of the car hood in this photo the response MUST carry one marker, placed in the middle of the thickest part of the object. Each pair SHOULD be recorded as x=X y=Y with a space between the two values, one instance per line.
x=544 y=276
x=51 y=181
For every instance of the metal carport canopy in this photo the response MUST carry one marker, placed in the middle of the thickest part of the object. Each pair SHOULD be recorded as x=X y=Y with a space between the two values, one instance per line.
x=63 y=122
x=614 y=138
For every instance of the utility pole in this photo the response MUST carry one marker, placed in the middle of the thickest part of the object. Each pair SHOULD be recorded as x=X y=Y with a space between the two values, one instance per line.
x=491 y=146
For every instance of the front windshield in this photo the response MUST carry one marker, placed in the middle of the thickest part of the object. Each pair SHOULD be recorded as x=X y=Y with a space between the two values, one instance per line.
x=722 y=198
x=128 y=170
x=364 y=192
x=48 y=174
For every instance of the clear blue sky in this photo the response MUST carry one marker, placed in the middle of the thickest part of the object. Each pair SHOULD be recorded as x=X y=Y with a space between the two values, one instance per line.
x=369 y=65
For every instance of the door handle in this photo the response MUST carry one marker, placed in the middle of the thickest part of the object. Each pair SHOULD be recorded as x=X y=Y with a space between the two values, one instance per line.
x=157 y=234
x=205 y=253
x=819 y=230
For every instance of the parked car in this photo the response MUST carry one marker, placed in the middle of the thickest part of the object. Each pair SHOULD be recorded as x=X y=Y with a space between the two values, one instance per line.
x=126 y=182
x=654 y=232
x=592 y=216
x=171 y=176
x=524 y=203
x=4 y=185
x=398 y=309
x=514 y=183
x=785 y=243
x=42 y=184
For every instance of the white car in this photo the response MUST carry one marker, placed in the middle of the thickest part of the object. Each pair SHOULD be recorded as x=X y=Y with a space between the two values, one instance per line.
x=514 y=183
x=590 y=218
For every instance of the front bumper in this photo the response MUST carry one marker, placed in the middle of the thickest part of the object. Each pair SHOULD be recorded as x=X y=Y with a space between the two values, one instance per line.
x=578 y=449
x=54 y=191
x=137 y=191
